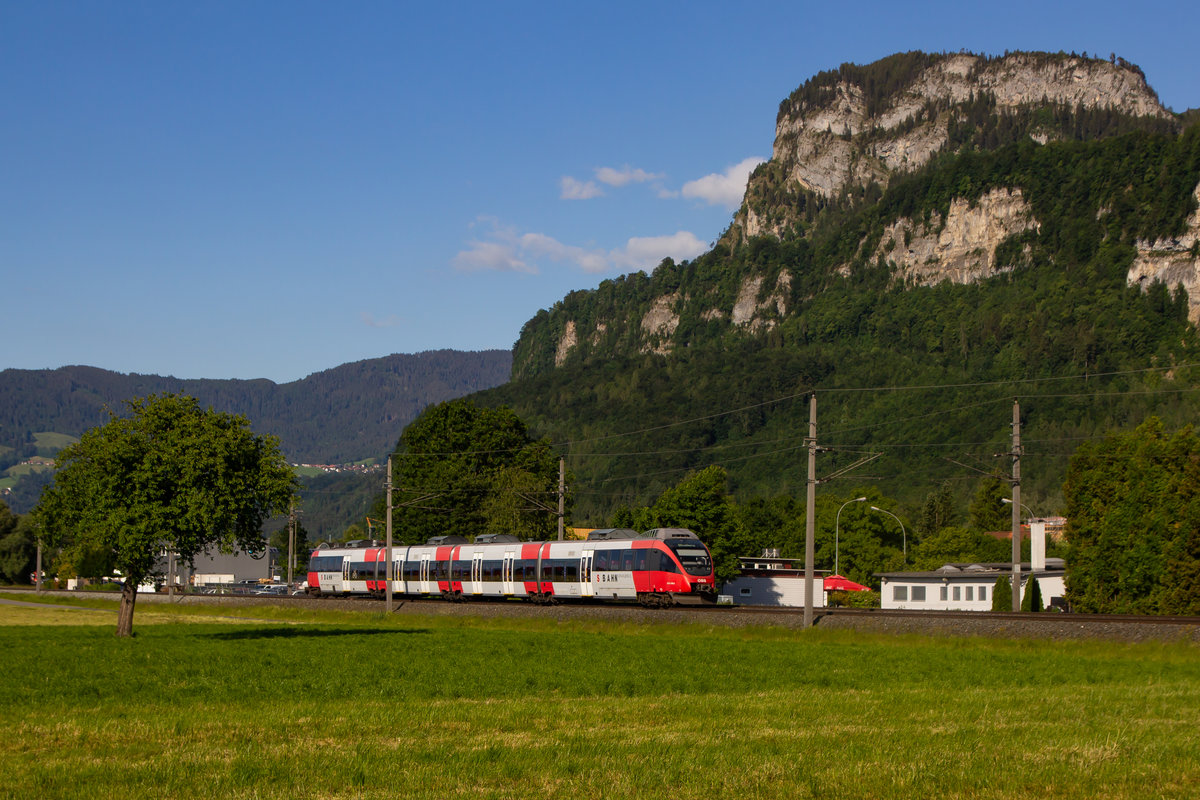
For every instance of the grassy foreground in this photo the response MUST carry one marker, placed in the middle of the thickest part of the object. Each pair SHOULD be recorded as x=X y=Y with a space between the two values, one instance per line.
x=339 y=706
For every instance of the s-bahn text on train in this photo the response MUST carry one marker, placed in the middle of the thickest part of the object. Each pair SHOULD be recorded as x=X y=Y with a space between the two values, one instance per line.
x=661 y=567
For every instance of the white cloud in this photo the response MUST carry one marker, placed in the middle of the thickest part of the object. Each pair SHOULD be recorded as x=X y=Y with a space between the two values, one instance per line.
x=725 y=189
x=646 y=252
x=624 y=175
x=497 y=256
x=573 y=189
x=390 y=321
x=510 y=252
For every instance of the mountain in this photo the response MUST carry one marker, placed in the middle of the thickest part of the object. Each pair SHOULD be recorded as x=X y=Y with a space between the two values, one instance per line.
x=350 y=413
x=934 y=236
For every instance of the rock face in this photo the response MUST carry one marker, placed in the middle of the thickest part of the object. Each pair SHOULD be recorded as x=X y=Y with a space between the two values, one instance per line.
x=843 y=135
x=961 y=248
x=1173 y=262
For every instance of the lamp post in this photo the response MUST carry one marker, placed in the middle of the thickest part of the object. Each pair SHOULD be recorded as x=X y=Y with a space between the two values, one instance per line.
x=1028 y=510
x=903 y=533
x=836 y=530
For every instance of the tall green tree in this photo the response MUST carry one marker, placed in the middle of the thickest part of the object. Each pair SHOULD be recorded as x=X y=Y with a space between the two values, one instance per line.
x=467 y=470
x=170 y=476
x=17 y=546
x=1133 y=510
x=701 y=503
x=987 y=510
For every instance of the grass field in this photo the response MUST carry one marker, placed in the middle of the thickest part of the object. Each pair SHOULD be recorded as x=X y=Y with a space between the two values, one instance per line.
x=326 y=705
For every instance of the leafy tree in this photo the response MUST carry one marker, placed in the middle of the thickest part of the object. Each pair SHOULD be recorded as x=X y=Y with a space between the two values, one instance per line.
x=463 y=469
x=701 y=503
x=1133 y=509
x=938 y=511
x=1002 y=594
x=18 y=547
x=958 y=545
x=987 y=511
x=169 y=476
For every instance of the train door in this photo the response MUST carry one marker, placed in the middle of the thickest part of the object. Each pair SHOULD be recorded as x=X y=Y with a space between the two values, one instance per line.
x=426 y=584
x=506 y=574
x=476 y=573
x=586 y=588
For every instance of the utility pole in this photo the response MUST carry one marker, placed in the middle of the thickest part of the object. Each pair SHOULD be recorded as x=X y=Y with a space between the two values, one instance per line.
x=38 y=567
x=1016 y=506
x=291 y=562
x=388 y=489
x=810 y=522
x=562 y=493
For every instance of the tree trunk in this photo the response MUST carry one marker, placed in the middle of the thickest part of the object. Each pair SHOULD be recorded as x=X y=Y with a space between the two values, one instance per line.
x=125 y=615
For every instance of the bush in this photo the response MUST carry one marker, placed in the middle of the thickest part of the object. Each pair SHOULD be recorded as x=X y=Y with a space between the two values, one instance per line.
x=1002 y=595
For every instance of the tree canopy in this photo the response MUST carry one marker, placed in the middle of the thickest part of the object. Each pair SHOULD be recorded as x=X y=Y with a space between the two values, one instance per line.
x=169 y=477
x=467 y=470
x=1133 y=523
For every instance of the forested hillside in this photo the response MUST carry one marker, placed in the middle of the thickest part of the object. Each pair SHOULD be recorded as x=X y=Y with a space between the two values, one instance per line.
x=350 y=413
x=916 y=308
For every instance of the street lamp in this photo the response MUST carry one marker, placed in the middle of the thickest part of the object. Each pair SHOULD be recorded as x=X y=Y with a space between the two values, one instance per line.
x=1028 y=510
x=903 y=533
x=836 y=527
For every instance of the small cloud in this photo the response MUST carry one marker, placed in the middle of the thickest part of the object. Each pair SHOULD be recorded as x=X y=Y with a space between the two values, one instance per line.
x=494 y=256
x=624 y=175
x=726 y=189
x=541 y=245
x=390 y=321
x=646 y=252
x=573 y=189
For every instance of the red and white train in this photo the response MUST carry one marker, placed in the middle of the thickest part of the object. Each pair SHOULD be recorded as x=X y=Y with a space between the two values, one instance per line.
x=661 y=567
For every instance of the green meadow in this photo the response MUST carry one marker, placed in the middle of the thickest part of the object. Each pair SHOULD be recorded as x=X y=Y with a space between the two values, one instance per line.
x=295 y=704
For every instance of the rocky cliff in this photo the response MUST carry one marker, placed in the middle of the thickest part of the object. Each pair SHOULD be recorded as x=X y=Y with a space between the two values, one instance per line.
x=918 y=170
x=856 y=126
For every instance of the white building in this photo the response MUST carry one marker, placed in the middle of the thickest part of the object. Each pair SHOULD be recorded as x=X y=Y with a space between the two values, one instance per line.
x=966 y=587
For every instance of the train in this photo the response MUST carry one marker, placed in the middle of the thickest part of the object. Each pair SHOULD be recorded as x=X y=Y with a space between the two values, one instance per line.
x=661 y=567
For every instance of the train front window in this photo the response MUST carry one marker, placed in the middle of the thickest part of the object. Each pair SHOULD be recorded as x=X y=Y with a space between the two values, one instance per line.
x=692 y=554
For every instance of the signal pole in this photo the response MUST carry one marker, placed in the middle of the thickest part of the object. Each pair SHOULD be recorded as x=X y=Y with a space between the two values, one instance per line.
x=1016 y=506
x=810 y=522
x=388 y=489
x=562 y=492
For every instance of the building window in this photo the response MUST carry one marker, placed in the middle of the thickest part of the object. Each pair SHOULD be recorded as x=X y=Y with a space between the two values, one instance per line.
x=943 y=594
x=918 y=594
x=746 y=591
x=900 y=593
x=983 y=593
x=957 y=594
x=970 y=593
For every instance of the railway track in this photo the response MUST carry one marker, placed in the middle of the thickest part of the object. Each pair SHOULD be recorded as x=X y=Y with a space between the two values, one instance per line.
x=1053 y=625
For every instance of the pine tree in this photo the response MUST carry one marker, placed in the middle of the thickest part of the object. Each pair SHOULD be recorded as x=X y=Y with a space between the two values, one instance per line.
x=1002 y=594
x=1032 y=601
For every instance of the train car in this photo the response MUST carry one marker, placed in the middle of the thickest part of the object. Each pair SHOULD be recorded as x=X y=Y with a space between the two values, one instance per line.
x=662 y=567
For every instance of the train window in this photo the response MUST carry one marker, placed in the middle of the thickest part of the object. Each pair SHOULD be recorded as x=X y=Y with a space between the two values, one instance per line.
x=627 y=561
x=692 y=554
x=601 y=561
x=639 y=563
x=325 y=564
x=571 y=571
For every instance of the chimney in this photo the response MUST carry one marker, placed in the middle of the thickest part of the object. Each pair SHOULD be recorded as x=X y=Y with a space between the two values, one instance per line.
x=1037 y=545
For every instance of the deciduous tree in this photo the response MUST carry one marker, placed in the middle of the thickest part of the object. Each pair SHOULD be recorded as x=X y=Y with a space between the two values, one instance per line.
x=170 y=476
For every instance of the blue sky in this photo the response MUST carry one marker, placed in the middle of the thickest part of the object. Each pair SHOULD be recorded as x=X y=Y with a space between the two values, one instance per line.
x=266 y=190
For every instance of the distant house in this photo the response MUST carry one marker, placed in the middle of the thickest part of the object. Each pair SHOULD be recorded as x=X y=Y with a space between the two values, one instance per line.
x=969 y=587
x=772 y=581
x=966 y=587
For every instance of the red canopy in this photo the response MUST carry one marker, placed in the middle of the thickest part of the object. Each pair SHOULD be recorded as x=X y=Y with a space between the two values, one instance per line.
x=836 y=583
